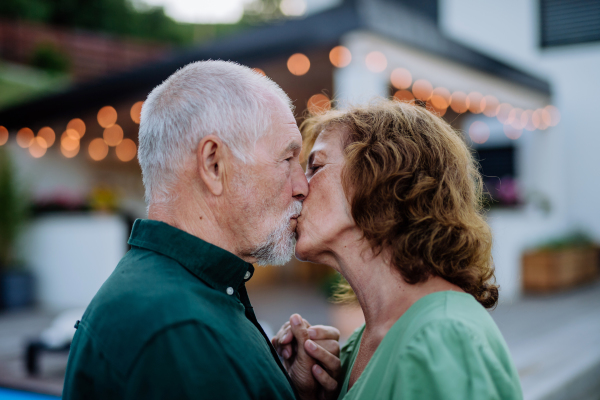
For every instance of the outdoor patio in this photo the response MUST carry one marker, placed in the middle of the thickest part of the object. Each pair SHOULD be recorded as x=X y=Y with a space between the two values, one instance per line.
x=553 y=338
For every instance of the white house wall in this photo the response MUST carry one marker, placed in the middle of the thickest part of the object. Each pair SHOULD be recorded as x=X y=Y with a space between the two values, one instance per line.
x=569 y=168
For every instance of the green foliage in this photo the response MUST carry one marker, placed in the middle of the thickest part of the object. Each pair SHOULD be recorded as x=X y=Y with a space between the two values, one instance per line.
x=14 y=209
x=576 y=239
x=48 y=57
x=111 y=16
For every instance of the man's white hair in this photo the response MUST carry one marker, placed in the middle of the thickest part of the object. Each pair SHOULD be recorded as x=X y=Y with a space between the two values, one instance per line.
x=203 y=98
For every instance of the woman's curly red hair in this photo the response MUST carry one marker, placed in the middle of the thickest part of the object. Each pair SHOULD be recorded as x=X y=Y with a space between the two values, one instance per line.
x=414 y=189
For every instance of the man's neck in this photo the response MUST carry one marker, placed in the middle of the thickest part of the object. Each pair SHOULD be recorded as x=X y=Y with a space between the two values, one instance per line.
x=194 y=217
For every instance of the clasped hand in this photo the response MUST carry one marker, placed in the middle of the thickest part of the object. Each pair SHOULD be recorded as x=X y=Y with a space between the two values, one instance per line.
x=311 y=357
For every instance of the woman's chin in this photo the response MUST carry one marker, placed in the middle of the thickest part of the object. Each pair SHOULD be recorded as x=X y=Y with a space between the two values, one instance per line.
x=301 y=250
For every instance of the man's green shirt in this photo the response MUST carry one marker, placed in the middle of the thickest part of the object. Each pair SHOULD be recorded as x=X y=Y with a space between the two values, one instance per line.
x=173 y=321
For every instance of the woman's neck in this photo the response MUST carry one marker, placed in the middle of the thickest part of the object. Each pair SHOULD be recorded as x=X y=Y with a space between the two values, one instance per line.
x=381 y=291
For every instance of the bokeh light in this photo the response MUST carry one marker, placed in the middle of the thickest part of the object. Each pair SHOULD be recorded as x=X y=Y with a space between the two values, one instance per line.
x=48 y=135
x=340 y=56
x=38 y=147
x=298 y=64
x=479 y=132
x=3 y=135
x=293 y=8
x=440 y=112
x=79 y=126
x=260 y=71
x=376 y=61
x=136 y=112
x=459 y=102
x=475 y=99
x=113 y=135
x=503 y=113
x=69 y=153
x=107 y=116
x=401 y=78
x=440 y=99
x=489 y=105
x=98 y=149
x=422 y=89
x=318 y=103
x=403 y=95
x=528 y=117
x=68 y=142
x=515 y=118
x=512 y=133
x=25 y=137
x=553 y=115
x=127 y=150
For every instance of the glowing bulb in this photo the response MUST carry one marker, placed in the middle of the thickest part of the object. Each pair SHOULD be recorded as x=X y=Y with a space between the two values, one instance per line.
x=107 y=116
x=318 y=104
x=401 y=78
x=126 y=150
x=376 y=61
x=479 y=132
x=340 y=56
x=422 y=89
x=298 y=64
x=136 y=112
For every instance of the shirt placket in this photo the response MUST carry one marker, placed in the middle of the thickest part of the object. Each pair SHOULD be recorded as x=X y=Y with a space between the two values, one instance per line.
x=249 y=310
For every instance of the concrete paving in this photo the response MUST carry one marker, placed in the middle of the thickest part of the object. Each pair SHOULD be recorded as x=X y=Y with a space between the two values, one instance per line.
x=554 y=339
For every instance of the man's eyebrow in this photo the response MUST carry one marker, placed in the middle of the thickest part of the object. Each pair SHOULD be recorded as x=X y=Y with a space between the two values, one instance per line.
x=293 y=146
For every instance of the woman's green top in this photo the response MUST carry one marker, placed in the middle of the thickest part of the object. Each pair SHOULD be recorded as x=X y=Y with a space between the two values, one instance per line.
x=446 y=346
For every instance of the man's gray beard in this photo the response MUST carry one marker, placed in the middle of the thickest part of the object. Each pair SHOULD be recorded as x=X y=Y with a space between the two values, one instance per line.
x=280 y=245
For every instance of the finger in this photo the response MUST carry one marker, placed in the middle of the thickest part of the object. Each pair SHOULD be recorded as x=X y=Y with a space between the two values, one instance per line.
x=300 y=334
x=332 y=346
x=330 y=362
x=323 y=378
x=320 y=332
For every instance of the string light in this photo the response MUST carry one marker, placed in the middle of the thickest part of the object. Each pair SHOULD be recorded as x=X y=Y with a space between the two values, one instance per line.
x=98 y=149
x=459 y=102
x=38 y=147
x=3 y=135
x=48 y=135
x=78 y=126
x=126 y=150
x=376 y=61
x=479 y=132
x=401 y=78
x=422 y=89
x=298 y=64
x=340 y=56
x=403 y=95
x=25 y=137
x=107 y=116
x=136 y=112
x=318 y=103
x=113 y=135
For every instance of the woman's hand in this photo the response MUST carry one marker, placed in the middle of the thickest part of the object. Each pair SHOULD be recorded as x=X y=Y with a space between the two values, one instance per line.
x=311 y=357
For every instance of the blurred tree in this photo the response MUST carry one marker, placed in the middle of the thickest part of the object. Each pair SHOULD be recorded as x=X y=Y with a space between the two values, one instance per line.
x=112 y=16
x=48 y=57
x=13 y=210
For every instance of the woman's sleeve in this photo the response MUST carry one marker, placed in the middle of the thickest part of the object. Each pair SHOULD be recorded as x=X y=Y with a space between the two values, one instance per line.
x=446 y=360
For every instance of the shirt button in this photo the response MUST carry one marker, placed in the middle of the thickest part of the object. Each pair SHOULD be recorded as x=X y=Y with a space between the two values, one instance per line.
x=229 y=290
x=247 y=276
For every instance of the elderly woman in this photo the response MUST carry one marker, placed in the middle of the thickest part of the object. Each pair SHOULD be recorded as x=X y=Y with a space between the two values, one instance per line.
x=395 y=207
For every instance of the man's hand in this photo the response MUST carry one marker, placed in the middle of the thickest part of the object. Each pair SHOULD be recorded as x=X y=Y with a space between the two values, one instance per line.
x=311 y=356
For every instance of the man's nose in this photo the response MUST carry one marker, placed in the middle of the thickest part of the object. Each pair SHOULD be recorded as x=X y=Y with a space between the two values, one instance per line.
x=299 y=183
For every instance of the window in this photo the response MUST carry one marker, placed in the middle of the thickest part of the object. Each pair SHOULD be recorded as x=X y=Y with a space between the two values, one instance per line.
x=566 y=22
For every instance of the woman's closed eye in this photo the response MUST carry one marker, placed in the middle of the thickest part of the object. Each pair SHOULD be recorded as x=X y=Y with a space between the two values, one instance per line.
x=312 y=169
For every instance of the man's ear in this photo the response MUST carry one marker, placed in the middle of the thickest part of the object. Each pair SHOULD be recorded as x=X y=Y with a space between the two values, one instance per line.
x=211 y=156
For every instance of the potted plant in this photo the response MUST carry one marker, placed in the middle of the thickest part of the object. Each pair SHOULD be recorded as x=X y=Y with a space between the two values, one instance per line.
x=560 y=264
x=16 y=284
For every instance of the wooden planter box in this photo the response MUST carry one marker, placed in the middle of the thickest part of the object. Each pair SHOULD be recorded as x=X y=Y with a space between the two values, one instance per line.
x=552 y=270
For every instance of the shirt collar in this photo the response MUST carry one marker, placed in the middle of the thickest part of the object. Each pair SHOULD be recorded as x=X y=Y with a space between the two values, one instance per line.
x=219 y=268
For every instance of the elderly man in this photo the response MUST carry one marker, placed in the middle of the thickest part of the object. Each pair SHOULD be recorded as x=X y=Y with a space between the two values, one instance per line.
x=219 y=152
